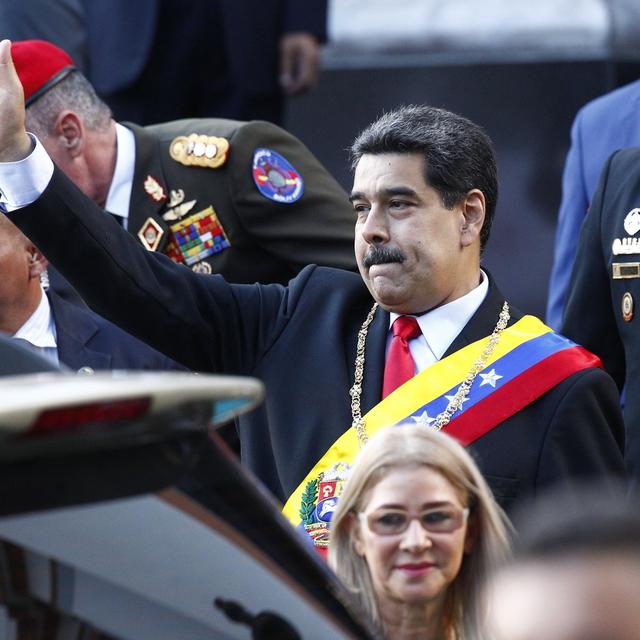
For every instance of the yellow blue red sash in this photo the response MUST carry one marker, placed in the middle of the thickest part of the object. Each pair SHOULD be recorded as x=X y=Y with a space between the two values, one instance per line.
x=529 y=359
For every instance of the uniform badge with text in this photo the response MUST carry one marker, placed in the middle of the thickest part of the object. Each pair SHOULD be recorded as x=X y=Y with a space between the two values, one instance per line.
x=628 y=245
x=275 y=177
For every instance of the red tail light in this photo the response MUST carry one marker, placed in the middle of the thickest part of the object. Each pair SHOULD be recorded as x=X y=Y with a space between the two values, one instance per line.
x=67 y=418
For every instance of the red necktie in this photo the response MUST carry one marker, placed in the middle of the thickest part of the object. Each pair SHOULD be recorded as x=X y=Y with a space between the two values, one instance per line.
x=400 y=366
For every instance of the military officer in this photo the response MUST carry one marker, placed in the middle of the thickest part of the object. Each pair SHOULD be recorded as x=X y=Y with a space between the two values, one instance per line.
x=604 y=292
x=244 y=199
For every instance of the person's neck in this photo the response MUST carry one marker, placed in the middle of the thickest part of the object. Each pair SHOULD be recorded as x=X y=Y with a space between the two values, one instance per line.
x=422 y=621
x=103 y=162
x=13 y=315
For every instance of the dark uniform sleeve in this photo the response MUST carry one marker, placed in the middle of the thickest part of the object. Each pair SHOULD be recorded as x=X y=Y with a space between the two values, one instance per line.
x=316 y=229
x=585 y=438
x=589 y=318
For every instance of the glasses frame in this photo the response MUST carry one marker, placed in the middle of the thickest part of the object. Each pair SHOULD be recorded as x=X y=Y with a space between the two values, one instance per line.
x=364 y=519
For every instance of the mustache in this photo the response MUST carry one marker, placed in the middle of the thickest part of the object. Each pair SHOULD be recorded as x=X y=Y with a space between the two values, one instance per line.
x=383 y=255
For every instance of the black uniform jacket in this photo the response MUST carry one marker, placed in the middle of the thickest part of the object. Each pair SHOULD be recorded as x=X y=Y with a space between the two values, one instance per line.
x=594 y=314
x=300 y=340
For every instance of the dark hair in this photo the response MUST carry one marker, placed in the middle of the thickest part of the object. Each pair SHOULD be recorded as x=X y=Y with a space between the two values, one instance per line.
x=458 y=154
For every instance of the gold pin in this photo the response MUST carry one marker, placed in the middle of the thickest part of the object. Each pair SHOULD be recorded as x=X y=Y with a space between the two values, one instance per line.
x=202 y=267
x=199 y=150
x=154 y=189
x=627 y=307
x=150 y=234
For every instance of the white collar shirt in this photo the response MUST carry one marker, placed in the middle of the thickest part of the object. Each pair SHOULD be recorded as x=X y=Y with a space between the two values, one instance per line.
x=442 y=325
x=119 y=196
x=40 y=330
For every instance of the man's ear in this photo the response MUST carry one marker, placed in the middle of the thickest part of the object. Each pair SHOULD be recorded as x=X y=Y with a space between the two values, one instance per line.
x=37 y=262
x=473 y=211
x=69 y=132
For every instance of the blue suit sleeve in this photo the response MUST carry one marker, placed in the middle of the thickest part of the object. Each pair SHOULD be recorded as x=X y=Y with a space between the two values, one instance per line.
x=573 y=209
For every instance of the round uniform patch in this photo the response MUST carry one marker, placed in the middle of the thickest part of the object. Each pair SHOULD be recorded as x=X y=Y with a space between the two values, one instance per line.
x=276 y=178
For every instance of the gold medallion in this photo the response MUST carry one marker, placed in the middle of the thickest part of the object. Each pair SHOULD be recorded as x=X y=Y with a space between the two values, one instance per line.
x=627 y=307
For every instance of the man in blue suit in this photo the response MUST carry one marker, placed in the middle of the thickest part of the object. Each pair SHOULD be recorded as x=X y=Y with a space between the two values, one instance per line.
x=63 y=332
x=602 y=126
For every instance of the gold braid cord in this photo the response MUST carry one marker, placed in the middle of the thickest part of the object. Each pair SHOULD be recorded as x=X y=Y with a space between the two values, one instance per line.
x=458 y=398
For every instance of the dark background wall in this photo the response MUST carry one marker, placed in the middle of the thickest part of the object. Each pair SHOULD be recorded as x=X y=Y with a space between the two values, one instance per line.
x=527 y=109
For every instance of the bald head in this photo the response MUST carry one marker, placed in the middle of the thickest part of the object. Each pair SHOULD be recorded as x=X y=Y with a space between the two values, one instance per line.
x=21 y=264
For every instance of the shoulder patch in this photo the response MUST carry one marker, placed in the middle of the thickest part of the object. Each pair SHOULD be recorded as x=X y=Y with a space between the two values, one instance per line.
x=199 y=150
x=275 y=177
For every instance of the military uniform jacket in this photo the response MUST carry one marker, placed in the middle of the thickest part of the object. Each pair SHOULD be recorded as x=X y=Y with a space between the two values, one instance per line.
x=300 y=340
x=269 y=241
x=602 y=311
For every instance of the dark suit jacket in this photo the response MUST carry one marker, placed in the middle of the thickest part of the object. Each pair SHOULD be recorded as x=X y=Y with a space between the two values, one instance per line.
x=158 y=60
x=121 y=35
x=270 y=241
x=300 y=341
x=593 y=315
x=87 y=340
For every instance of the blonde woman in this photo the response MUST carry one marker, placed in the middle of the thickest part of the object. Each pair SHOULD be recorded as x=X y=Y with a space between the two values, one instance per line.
x=414 y=534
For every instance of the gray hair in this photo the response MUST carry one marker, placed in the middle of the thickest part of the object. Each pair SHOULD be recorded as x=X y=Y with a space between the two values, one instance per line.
x=74 y=93
x=407 y=446
x=458 y=154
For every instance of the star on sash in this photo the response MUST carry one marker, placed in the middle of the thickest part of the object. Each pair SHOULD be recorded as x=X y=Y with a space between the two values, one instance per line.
x=490 y=378
x=424 y=419
x=451 y=397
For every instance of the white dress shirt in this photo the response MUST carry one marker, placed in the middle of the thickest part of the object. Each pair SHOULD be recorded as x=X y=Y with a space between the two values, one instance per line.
x=119 y=195
x=40 y=330
x=441 y=325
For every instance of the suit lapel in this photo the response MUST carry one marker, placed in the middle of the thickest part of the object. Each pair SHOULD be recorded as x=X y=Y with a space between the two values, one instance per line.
x=148 y=163
x=375 y=348
x=75 y=327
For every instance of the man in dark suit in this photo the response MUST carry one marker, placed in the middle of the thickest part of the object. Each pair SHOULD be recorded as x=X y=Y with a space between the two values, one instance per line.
x=534 y=408
x=157 y=60
x=62 y=332
x=604 y=290
x=244 y=199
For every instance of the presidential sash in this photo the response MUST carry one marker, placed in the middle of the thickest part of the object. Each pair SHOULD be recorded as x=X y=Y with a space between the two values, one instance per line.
x=528 y=360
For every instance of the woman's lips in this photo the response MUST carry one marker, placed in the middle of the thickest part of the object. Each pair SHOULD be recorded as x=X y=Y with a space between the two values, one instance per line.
x=415 y=568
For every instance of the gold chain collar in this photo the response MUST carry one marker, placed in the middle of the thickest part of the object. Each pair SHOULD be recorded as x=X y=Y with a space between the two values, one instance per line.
x=357 y=421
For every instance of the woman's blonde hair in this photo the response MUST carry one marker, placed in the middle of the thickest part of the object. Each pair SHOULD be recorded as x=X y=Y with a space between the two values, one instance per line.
x=407 y=446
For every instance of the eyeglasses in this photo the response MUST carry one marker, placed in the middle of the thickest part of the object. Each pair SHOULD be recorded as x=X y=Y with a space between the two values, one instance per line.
x=391 y=522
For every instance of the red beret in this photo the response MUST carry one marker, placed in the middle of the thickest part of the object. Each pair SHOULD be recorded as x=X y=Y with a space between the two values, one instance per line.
x=40 y=66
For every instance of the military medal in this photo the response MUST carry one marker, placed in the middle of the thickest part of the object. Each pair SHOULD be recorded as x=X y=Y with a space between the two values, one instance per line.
x=196 y=237
x=154 y=189
x=199 y=150
x=150 y=234
x=176 y=208
x=276 y=177
x=627 y=307
x=628 y=246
